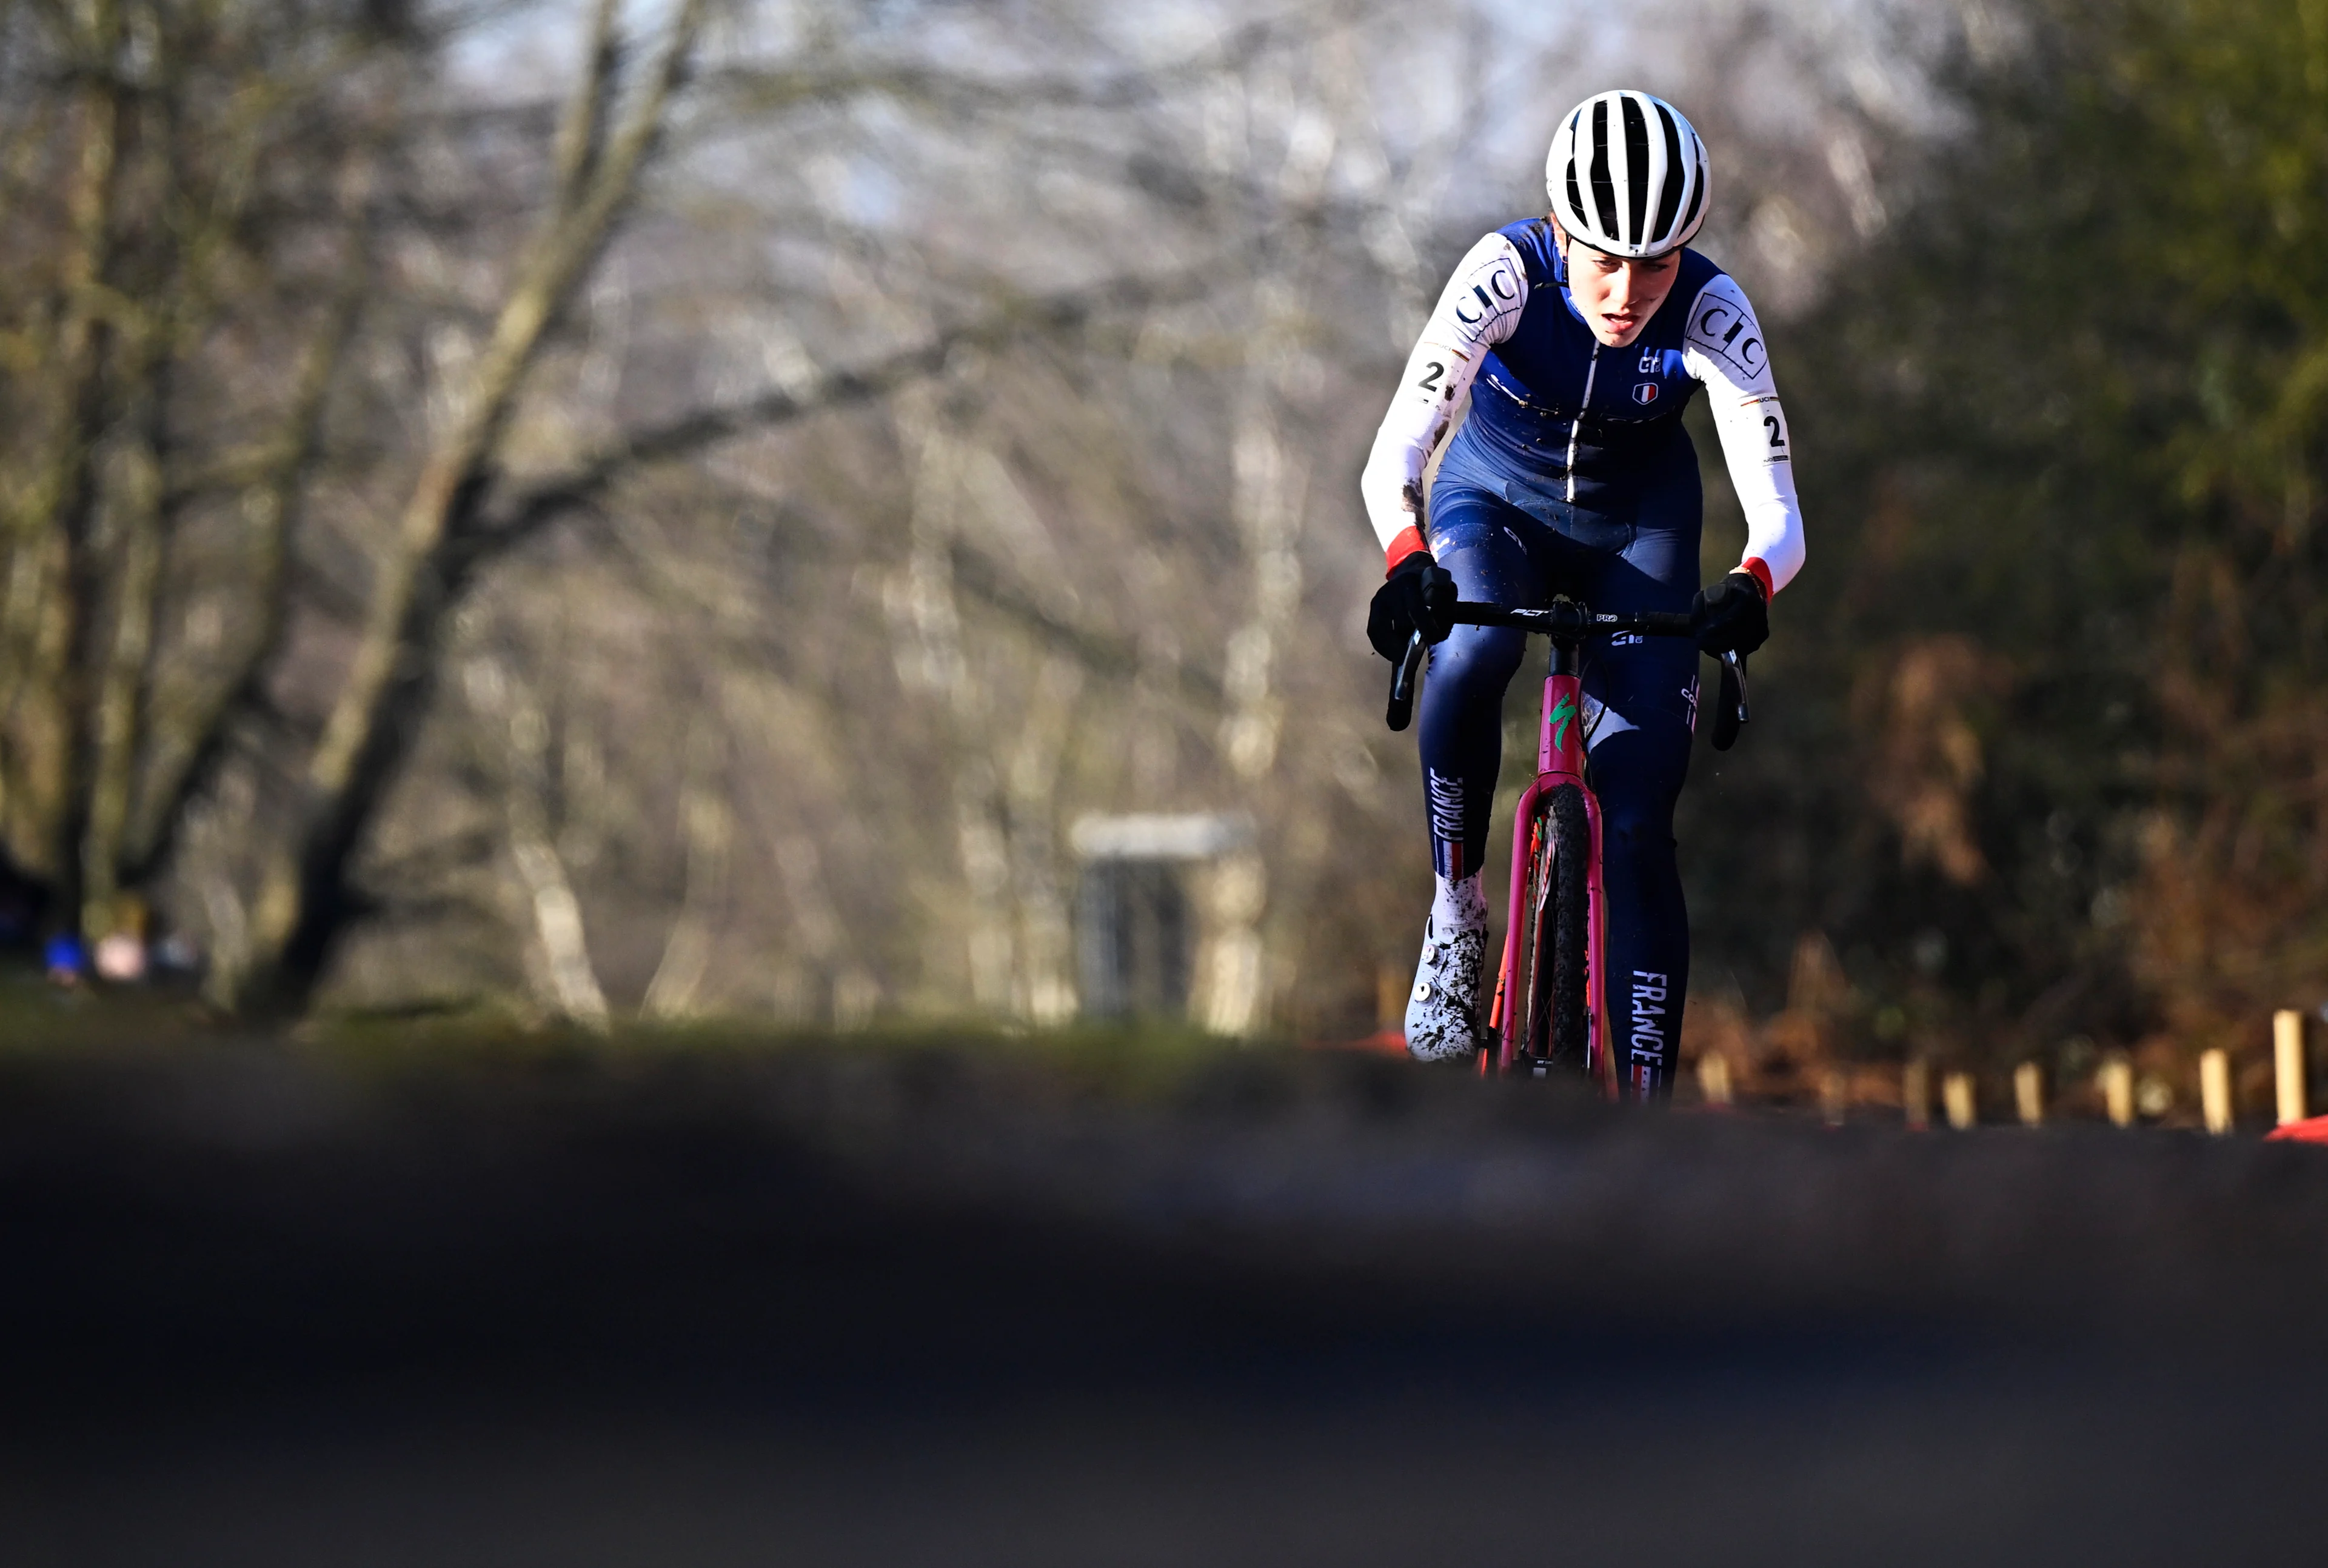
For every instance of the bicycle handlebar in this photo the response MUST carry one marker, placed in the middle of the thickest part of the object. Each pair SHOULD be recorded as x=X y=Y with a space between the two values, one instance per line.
x=1569 y=622
x=1401 y=684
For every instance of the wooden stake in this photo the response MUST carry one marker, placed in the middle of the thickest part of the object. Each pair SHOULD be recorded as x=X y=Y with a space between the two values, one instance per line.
x=2029 y=1094
x=2287 y=1063
x=1916 y=1093
x=1956 y=1095
x=1713 y=1078
x=1834 y=1096
x=2215 y=1091
x=2118 y=1089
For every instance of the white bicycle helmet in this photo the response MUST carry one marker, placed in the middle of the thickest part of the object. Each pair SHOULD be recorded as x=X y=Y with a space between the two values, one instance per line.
x=1627 y=175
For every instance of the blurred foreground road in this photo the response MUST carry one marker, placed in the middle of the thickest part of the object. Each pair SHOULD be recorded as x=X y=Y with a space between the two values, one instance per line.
x=904 y=1307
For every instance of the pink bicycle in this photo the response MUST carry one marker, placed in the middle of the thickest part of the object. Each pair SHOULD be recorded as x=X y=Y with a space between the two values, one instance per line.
x=1557 y=918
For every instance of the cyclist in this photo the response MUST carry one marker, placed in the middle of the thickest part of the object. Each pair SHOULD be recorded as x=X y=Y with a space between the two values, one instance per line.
x=1581 y=337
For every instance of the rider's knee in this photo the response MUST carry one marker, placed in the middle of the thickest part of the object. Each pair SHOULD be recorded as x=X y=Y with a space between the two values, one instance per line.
x=1637 y=808
x=1637 y=829
x=1476 y=660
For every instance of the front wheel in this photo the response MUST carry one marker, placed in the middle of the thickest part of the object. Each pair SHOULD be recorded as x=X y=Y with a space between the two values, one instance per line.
x=1560 y=1013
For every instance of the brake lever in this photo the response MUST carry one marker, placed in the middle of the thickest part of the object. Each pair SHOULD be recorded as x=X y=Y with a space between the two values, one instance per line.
x=1730 y=714
x=1401 y=684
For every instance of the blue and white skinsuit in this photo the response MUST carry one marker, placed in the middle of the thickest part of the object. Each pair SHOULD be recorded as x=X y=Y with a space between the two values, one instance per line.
x=1573 y=475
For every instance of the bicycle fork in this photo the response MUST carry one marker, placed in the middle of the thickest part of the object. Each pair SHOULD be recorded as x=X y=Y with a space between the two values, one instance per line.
x=1559 y=760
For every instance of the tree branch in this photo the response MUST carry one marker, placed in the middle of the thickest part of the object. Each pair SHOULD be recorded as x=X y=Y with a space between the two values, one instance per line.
x=302 y=886
x=185 y=757
x=581 y=128
x=541 y=504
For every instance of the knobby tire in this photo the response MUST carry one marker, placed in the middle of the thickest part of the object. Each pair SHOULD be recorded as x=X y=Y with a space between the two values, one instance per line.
x=1560 y=1019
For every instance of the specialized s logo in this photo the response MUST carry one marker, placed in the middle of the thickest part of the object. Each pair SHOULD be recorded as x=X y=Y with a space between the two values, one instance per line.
x=1562 y=717
x=1646 y=392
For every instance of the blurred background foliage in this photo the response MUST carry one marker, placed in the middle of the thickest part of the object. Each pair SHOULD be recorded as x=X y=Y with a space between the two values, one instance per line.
x=589 y=509
x=2044 y=754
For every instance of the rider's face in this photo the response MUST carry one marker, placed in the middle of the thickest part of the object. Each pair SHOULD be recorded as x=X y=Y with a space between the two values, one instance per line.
x=1618 y=298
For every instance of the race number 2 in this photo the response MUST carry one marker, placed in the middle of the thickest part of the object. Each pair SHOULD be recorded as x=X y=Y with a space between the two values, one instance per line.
x=1776 y=447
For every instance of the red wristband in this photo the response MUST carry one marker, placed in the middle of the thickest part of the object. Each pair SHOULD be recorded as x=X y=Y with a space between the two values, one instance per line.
x=1754 y=566
x=1408 y=543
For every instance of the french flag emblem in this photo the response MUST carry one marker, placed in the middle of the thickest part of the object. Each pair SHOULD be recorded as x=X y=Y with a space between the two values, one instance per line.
x=1646 y=392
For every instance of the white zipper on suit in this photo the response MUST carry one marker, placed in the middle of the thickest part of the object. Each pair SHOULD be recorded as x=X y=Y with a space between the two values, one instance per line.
x=1576 y=426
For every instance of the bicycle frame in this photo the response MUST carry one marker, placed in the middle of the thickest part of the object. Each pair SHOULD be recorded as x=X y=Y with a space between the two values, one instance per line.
x=1560 y=759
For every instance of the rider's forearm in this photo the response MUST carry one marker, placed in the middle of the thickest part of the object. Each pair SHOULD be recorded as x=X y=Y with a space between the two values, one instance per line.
x=1392 y=482
x=1723 y=348
x=1481 y=304
x=1763 y=475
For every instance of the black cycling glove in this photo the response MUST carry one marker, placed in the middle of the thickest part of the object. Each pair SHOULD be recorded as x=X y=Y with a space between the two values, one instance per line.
x=1419 y=593
x=1732 y=616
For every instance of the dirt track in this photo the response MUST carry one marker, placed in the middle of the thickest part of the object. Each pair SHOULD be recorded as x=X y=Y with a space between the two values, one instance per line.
x=951 y=1307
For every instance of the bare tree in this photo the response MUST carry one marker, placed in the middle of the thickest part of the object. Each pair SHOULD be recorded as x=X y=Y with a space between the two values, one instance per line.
x=150 y=225
x=823 y=450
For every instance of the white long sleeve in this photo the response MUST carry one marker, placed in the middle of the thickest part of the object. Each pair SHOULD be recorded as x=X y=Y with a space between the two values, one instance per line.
x=1481 y=304
x=1722 y=347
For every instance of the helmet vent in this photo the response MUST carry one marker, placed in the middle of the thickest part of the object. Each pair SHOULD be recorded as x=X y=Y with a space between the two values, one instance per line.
x=1604 y=183
x=1677 y=172
x=1639 y=171
x=1627 y=175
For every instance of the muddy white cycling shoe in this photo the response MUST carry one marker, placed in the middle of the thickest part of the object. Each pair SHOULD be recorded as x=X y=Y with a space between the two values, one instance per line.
x=1442 y=1010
